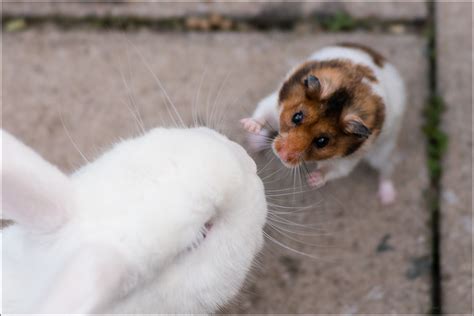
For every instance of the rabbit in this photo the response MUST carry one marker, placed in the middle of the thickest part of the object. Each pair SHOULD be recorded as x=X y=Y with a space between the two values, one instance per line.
x=168 y=222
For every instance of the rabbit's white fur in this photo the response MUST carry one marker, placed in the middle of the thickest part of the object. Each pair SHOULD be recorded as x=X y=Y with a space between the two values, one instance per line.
x=125 y=233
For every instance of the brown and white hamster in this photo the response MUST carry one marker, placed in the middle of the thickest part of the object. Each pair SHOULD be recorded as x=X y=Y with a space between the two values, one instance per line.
x=343 y=104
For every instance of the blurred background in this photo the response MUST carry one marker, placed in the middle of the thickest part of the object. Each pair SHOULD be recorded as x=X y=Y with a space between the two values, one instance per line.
x=76 y=74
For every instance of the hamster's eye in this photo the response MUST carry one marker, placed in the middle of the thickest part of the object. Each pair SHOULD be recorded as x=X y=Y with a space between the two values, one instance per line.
x=321 y=142
x=297 y=118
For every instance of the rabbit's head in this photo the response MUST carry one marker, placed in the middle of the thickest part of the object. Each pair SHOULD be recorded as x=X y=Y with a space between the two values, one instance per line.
x=166 y=222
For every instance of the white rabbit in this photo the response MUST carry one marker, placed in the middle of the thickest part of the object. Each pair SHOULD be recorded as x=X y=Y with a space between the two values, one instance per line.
x=168 y=222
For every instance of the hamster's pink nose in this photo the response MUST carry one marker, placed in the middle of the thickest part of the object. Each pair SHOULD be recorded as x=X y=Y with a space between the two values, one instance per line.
x=289 y=157
x=287 y=153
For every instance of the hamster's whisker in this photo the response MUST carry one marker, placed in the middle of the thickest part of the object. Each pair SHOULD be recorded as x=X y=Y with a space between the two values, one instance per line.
x=265 y=166
x=272 y=170
x=270 y=127
x=272 y=174
x=264 y=138
x=167 y=98
x=286 y=194
x=270 y=138
x=277 y=179
x=300 y=177
x=269 y=152
x=295 y=171
x=305 y=168
x=253 y=152
x=335 y=199
x=283 y=193
x=58 y=108
x=289 y=189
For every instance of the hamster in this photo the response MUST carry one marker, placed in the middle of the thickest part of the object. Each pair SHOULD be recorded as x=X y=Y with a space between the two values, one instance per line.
x=148 y=227
x=344 y=104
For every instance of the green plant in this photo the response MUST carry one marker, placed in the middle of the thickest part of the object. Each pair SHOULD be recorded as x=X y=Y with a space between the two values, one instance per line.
x=436 y=137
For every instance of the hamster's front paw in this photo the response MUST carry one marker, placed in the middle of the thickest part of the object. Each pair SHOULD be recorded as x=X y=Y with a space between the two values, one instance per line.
x=316 y=179
x=251 y=125
x=387 y=192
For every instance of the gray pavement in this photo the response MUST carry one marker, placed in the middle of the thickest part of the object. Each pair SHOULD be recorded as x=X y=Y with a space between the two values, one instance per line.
x=454 y=54
x=265 y=9
x=369 y=258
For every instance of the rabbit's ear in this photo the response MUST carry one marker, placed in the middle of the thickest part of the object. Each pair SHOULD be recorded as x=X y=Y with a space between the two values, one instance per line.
x=90 y=280
x=34 y=193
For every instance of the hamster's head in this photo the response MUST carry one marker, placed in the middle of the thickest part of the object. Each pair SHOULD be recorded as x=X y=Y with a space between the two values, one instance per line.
x=327 y=110
x=189 y=206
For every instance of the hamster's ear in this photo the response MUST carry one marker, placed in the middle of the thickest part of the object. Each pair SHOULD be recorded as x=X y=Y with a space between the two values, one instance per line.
x=320 y=87
x=34 y=193
x=91 y=279
x=312 y=86
x=353 y=124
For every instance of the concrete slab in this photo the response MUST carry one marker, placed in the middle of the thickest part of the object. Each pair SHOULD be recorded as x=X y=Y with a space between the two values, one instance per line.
x=385 y=9
x=454 y=59
x=369 y=259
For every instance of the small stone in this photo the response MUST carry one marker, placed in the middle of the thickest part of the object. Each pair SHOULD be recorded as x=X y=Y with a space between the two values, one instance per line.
x=204 y=25
x=303 y=28
x=397 y=29
x=198 y=23
x=450 y=197
x=376 y=293
x=215 y=19
x=226 y=24
x=192 y=22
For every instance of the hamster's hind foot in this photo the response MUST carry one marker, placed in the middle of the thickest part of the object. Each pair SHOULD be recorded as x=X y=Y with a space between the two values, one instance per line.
x=316 y=179
x=387 y=192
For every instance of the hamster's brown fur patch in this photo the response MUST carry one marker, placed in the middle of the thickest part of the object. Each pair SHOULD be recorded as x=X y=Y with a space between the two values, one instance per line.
x=377 y=58
x=344 y=94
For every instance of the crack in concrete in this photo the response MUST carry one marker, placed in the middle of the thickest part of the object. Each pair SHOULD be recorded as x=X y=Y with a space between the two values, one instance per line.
x=436 y=145
x=337 y=22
